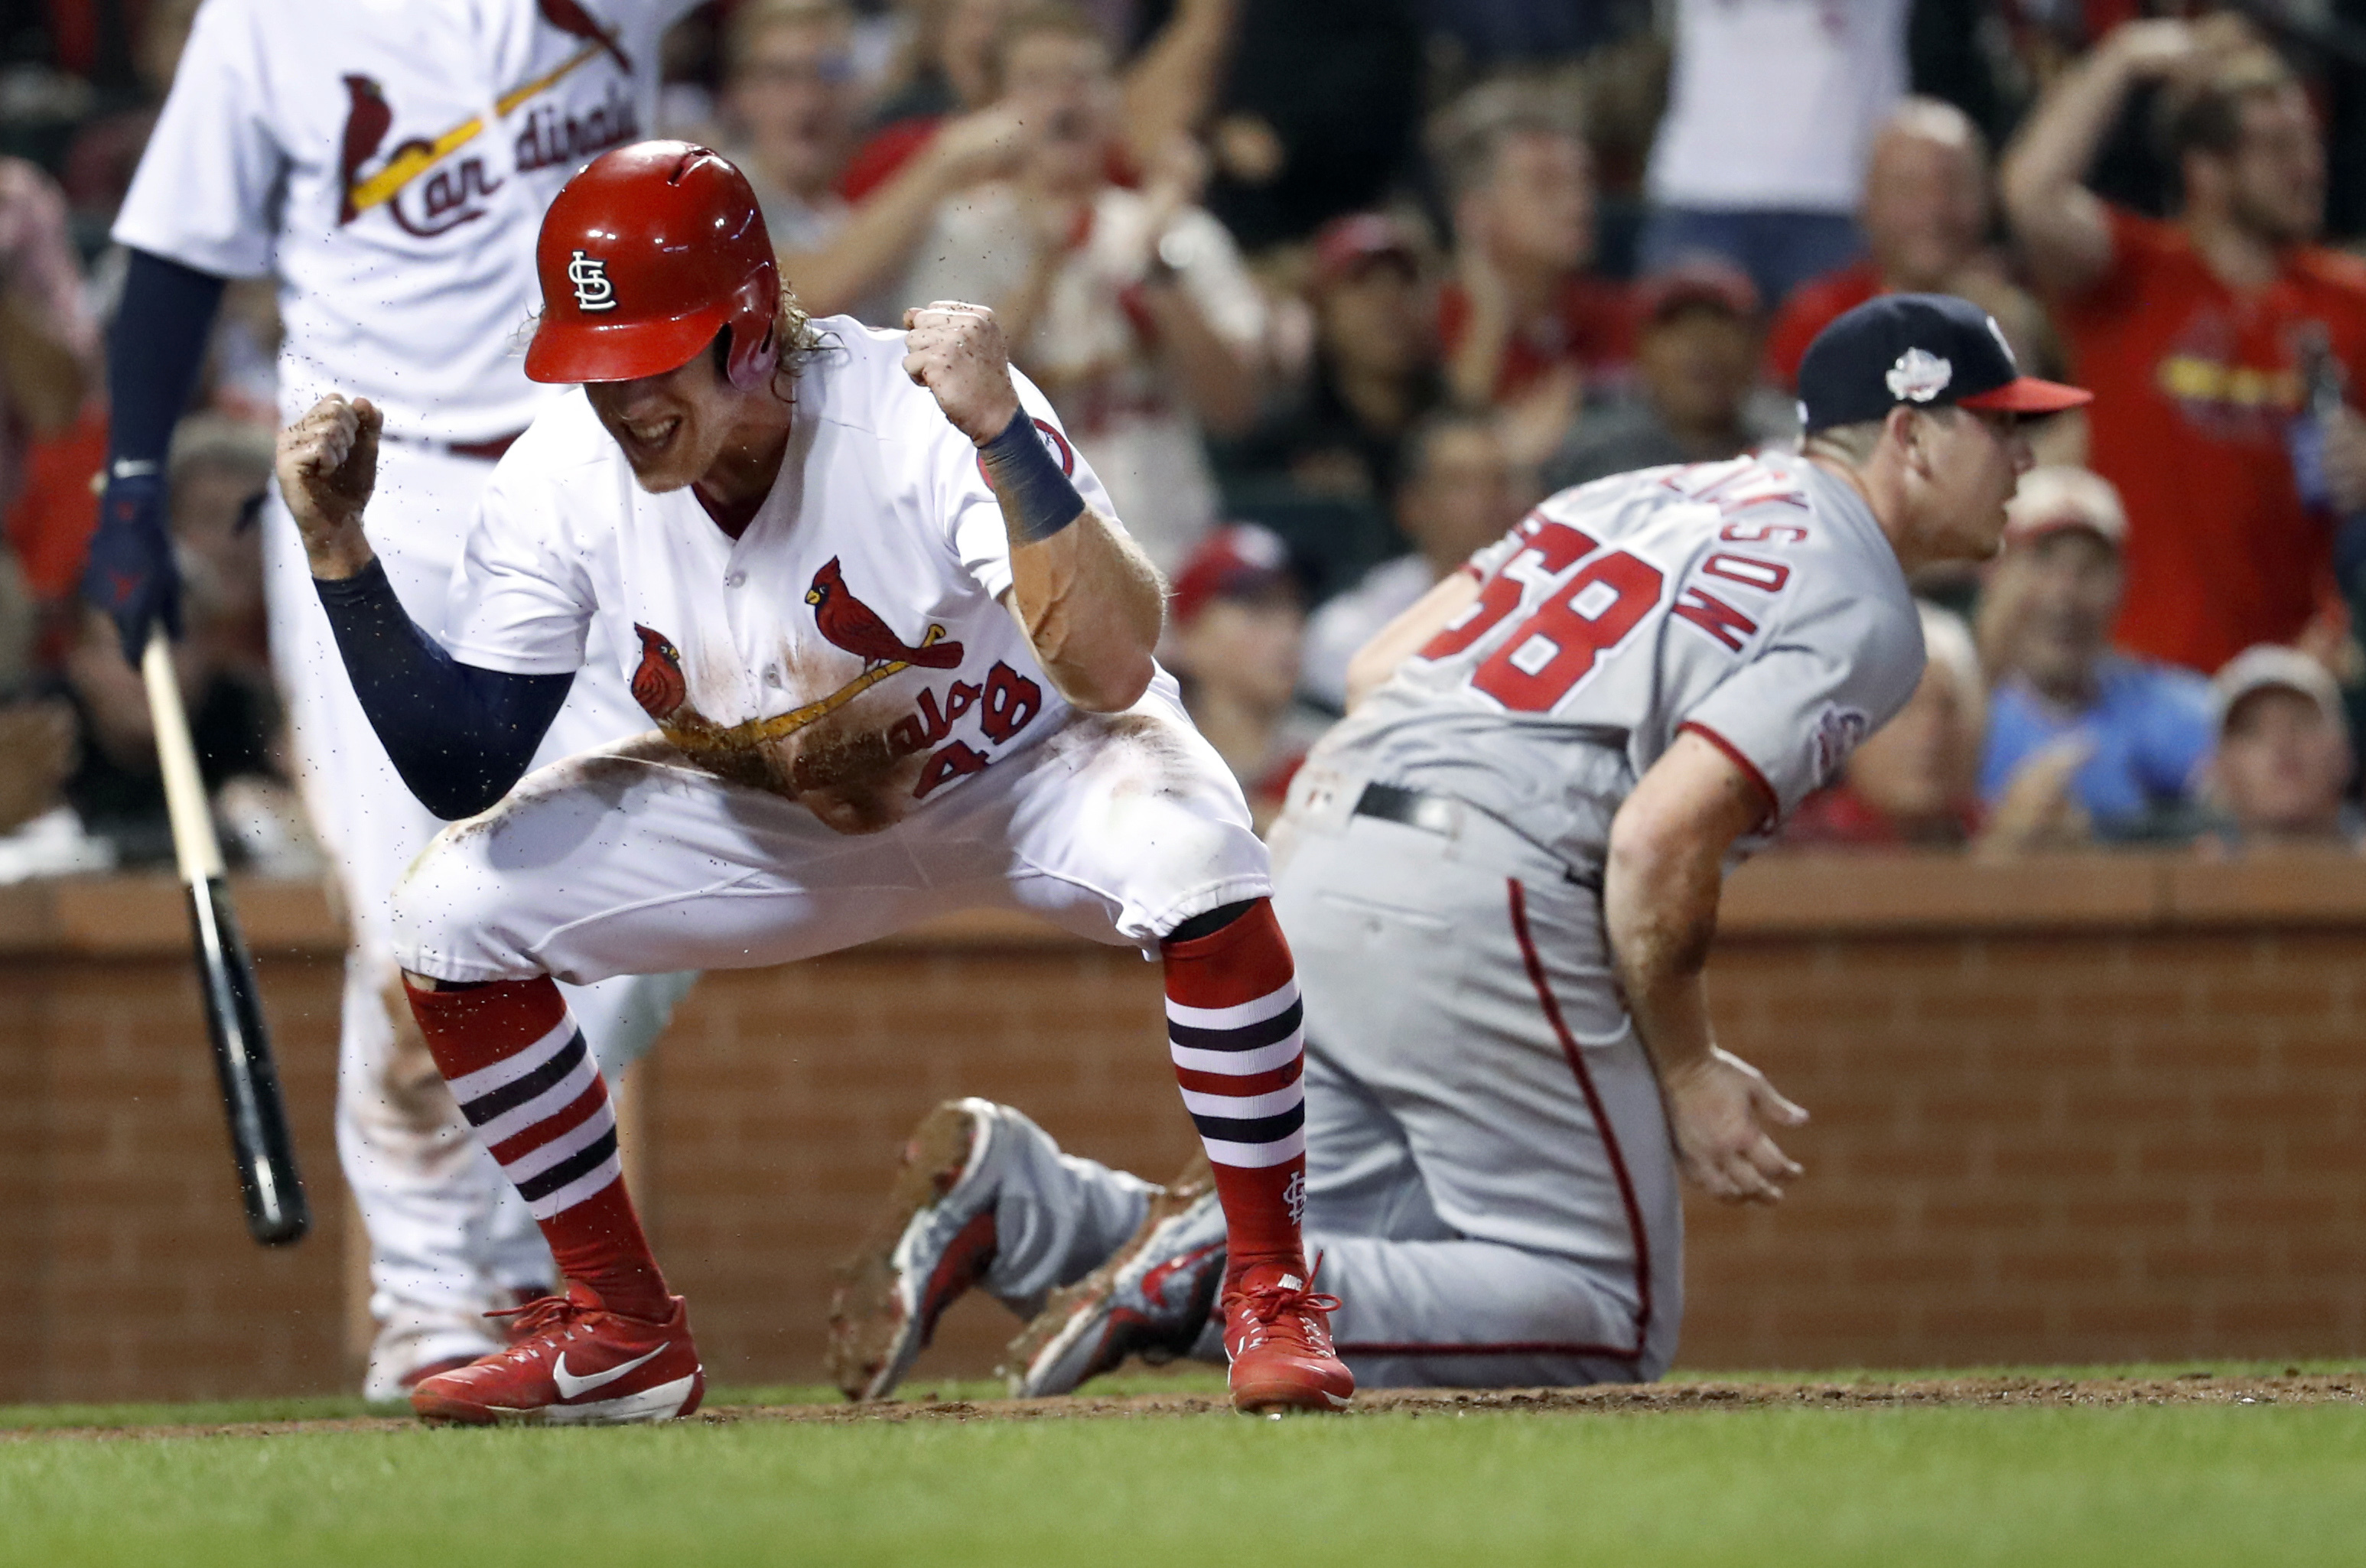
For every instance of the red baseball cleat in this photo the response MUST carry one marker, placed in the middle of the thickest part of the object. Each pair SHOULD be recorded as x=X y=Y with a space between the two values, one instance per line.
x=574 y=1362
x=418 y=1375
x=1278 y=1337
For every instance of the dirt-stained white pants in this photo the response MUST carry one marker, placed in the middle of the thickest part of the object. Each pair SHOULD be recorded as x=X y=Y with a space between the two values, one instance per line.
x=449 y=1238
x=635 y=859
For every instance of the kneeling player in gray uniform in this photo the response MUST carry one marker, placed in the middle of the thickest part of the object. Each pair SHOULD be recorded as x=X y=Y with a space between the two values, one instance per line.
x=1500 y=878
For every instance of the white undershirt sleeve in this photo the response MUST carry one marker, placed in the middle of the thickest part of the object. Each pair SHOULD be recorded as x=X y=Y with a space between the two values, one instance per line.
x=522 y=600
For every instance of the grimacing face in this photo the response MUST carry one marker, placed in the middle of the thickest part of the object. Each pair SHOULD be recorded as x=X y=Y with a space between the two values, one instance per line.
x=671 y=427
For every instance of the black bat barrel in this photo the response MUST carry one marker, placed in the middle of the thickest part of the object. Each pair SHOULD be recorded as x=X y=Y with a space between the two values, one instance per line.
x=268 y=1184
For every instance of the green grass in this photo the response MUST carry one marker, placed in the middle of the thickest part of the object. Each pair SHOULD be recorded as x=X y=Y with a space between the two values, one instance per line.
x=2158 y=1486
x=224 y=1412
x=1183 y=1379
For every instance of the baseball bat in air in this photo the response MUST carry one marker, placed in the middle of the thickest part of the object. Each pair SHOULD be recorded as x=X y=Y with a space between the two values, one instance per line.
x=268 y=1182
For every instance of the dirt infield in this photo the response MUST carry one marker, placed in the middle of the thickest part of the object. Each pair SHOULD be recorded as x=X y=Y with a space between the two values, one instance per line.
x=2193 y=1388
x=1988 y=1393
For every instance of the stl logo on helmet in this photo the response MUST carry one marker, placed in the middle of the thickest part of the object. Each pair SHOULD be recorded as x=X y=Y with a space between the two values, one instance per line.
x=589 y=276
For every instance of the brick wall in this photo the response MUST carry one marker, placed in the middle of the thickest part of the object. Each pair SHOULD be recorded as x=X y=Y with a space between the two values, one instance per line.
x=119 y=1207
x=2060 y=1148
x=774 y=1114
x=2093 y=1109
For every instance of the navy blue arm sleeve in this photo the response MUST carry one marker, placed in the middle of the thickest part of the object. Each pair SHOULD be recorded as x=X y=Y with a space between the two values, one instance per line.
x=153 y=352
x=460 y=735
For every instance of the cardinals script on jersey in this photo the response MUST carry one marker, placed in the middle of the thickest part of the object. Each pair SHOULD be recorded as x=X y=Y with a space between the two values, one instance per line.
x=387 y=160
x=847 y=649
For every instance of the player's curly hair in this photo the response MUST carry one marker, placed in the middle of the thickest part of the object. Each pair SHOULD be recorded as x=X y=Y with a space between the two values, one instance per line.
x=800 y=339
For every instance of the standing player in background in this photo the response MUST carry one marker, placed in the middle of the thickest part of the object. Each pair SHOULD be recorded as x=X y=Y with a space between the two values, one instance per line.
x=1500 y=875
x=389 y=161
x=898 y=652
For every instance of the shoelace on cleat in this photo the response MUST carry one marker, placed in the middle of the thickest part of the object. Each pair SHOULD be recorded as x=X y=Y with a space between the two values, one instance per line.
x=1269 y=1305
x=556 y=1317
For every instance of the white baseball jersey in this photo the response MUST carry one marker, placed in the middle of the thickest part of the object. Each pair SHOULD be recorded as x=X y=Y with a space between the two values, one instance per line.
x=849 y=648
x=1755 y=602
x=390 y=160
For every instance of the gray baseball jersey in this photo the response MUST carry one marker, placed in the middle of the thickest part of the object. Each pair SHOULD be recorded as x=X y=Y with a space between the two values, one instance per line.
x=1754 y=602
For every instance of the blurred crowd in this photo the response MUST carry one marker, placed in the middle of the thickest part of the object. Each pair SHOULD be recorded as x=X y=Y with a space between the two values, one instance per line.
x=1333 y=291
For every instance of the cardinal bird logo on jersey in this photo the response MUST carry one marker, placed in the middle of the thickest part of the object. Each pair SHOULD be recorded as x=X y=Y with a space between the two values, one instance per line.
x=658 y=684
x=852 y=625
x=574 y=21
x=368 y=118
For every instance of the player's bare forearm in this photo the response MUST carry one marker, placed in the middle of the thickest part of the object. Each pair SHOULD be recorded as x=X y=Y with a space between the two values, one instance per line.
x=1660 y=892
x=1659 y=903
x=1090 y=601
x=327 y=466
x=1091 y=606
x=1403 y=637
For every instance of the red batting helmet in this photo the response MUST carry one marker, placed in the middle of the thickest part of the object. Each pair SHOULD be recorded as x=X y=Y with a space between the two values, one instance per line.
x=644 y=257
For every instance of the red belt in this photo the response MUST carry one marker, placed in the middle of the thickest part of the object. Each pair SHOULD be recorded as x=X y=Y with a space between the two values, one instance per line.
x=484 y=451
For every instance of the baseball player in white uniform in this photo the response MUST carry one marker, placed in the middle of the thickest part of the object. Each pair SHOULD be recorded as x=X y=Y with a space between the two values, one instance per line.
x=389 y=161
x=1500 y=875
x=898 y=655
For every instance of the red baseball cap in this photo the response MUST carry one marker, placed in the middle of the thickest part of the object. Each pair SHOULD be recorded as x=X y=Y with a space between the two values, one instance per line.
x=1345 y=244
x=1240 y=560
x=1696 y=280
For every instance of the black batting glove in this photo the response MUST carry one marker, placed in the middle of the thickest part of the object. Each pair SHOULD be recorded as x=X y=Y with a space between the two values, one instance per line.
x=130 y=574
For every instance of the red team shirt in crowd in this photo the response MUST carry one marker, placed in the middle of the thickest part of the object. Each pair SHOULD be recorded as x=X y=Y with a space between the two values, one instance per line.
x=1809 y=309
x=2195 y=384
x=1592 y=327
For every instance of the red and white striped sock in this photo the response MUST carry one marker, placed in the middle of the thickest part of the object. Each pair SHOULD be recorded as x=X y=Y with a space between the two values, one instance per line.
x=1233 y=1024
x=513 y=1057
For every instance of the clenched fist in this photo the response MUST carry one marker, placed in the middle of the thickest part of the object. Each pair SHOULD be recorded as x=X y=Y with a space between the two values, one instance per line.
x=956 y=352
x=328 y=465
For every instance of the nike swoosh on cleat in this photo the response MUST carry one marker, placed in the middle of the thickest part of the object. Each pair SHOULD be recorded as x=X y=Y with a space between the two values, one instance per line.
x=570 y=1386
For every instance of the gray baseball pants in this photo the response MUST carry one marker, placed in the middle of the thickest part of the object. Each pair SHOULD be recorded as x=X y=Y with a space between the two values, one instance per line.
x=1489 y=1180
